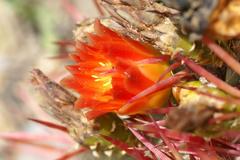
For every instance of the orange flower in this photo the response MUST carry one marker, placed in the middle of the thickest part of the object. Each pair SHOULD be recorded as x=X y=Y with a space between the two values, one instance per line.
x=111 y=70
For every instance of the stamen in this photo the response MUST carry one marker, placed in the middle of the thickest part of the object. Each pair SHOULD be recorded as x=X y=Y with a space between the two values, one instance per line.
x=107 y=84
x=102 y=64
x=95 y=76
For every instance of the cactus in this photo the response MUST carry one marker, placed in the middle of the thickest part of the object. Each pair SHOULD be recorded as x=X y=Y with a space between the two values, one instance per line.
x=126 y=64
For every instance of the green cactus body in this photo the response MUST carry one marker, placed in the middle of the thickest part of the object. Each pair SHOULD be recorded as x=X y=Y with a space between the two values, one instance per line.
x=112 y=126
x=204 y=97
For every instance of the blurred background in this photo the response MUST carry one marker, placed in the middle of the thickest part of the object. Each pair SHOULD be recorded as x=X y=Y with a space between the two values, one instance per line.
x=28 y=32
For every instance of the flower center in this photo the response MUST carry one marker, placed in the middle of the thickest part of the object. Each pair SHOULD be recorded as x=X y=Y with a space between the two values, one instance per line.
x=103 y=76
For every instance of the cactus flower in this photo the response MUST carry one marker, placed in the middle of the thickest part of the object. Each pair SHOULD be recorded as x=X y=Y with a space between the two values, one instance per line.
x=111 y=69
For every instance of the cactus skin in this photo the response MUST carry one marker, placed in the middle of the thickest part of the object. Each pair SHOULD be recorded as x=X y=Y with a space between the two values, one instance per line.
x=142 y=20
